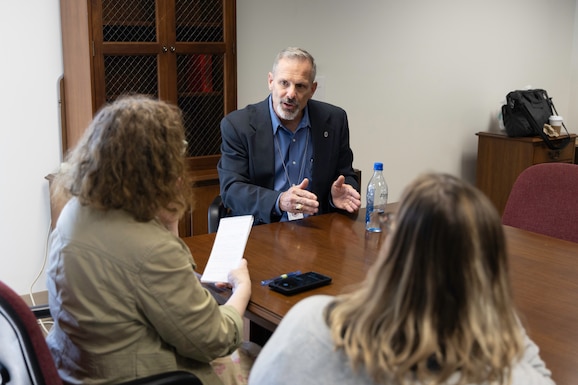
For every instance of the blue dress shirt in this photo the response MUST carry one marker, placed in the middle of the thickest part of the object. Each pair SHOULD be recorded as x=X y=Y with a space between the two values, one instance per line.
x=293 y=153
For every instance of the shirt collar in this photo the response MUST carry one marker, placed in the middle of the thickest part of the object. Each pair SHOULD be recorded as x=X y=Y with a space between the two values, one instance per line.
x=276 y=122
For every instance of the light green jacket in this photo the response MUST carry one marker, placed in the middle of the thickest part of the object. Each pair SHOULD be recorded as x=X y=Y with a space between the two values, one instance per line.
x=126 y=302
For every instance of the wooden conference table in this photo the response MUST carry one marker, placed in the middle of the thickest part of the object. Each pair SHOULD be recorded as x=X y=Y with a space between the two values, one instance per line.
x=544 y=273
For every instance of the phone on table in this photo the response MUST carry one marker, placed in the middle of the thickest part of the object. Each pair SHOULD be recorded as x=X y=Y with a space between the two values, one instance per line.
x=299 y=283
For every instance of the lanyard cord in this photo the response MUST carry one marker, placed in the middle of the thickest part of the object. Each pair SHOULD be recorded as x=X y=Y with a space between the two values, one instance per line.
x=303 y=160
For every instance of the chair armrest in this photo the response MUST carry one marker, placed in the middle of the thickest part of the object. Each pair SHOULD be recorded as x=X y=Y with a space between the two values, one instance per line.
x=216 y=211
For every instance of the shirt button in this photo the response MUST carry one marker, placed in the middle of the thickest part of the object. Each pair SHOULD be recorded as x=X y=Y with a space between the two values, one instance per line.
x=294 y=163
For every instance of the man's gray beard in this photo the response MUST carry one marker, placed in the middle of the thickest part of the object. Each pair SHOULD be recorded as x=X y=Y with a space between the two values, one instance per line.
x=286 y=115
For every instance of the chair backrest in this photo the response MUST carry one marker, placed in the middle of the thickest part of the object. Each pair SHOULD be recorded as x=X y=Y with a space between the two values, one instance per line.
x=217 y=210
x=543 y=200
x=24 y=355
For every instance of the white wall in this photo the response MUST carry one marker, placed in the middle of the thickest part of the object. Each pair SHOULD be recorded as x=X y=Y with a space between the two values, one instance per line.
x=418 y=79
x=30 y=135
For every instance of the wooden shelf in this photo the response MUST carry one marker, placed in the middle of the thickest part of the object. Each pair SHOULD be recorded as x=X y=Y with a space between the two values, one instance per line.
x=501 y=159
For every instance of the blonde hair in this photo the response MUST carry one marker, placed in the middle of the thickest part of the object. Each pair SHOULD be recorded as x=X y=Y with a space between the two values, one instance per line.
x=438 y=299
x=131 y=157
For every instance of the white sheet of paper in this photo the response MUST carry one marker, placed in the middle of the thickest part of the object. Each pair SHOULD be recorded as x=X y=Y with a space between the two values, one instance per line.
x=228 y=248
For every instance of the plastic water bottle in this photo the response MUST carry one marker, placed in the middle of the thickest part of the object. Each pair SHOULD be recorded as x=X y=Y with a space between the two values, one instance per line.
x=376 y=199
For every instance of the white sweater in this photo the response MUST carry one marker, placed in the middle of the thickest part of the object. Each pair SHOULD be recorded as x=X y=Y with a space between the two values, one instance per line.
x=301 y=351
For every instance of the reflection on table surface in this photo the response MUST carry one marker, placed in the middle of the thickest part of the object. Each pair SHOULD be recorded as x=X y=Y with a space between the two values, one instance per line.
x=544 y=273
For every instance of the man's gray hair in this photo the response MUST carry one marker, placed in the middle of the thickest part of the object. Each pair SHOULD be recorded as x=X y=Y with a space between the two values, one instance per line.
x=296 y=53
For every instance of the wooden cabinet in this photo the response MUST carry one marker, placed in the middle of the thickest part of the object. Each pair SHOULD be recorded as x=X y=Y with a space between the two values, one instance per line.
x=206 y=187
x=181 y=51
x=501 y=159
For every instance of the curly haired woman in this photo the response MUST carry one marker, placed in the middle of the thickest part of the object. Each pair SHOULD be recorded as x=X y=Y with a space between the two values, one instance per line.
x=122 y=289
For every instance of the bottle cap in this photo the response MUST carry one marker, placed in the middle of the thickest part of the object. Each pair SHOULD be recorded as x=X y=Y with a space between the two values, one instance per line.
x=378 y=166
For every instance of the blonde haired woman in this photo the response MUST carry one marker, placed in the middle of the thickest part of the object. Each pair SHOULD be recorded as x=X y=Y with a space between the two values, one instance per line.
x=435 y=308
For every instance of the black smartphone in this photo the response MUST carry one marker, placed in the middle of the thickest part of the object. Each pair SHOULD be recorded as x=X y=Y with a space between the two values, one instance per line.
x=300 y=283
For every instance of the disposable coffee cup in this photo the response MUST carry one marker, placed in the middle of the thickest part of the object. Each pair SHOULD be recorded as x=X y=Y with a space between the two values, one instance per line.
x=556 y=123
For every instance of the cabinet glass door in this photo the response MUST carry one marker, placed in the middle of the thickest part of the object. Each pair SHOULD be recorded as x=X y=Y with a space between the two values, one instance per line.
x=201 y=98
x=199 y=21
x=130 y=45
x=129 y=21
x=200 y=49
x=175 y=50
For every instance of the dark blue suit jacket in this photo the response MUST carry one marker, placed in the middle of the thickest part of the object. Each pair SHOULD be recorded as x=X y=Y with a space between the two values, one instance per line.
x=247 y=165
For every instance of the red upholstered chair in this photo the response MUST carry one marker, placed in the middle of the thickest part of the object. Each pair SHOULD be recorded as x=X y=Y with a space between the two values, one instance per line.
x=24 y=355
x=544 y=200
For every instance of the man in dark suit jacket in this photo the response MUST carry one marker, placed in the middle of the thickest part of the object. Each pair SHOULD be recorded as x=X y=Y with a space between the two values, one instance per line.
x=288 y=156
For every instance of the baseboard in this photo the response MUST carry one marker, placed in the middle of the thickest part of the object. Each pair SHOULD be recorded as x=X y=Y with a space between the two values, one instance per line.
x=38 y=298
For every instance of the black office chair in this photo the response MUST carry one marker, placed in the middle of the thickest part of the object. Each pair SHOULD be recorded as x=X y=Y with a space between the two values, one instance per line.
x=24 y=355
x=217 y=210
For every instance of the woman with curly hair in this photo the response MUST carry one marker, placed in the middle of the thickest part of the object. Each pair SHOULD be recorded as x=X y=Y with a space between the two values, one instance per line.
x=435 y=308
x=122 y=289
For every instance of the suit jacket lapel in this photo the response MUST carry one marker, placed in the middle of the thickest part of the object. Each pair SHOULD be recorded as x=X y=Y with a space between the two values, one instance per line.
x=264 y=155
x=322 y=135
